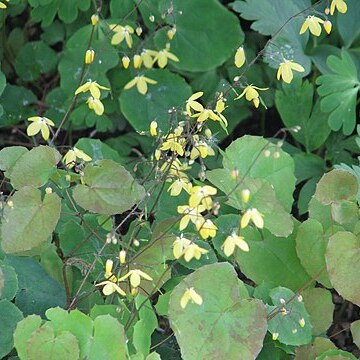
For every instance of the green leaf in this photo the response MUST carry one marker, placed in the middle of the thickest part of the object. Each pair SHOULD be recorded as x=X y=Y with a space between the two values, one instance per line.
x=9 y=156
x=319 y=305
x=98 y=150
x=246 y=154
x=263 y=198
x=270 y=259
x=30 y=222
x=311 y=243
x=145 y=326
x=295 y=105
x=288 y=44
x=355 y=332
x=37 y=290
x=67 y=10
x=43 y=345
x=171 y=91
x=109 y=339
x=77 y=323
x=16 y=101
x=348 y=23
x=343 y=266
x=336 y=355
x=108 y=189
x=224 y=317
x=335 y=186
x=196 y=36
x=288 y=327
x=34 y=59
x=10 y=315
x=8 y=281
x=338 y=92
x=24 y=329
x=35 y=167
x=312 y=351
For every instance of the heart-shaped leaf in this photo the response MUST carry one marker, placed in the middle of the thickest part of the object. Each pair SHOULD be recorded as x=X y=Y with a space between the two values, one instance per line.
x=225 y=325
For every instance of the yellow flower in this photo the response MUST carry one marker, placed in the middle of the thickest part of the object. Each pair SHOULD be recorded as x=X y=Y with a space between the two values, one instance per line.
x=275 y=335
x=163 y=56
x=73 y=154
x=255 y=216
x=194 y=105
x=89 y=56
x=206 y=228
x=121 y=33
x=327 y=26
x=179 y=245
x=340 y=6
x=93 y=87
x=231 y=242
x=178 y=185
x=251 y=94
x=240 y=57
x=2 y=5
x=201 y=148
x=135 y=277
x=153 y=128
x=147 y=57
x=313 y=24
x=302 y=322
x=94 y=19
x=219 y=108
x=39 y=123
x=206 y=114
x=110 y=287
x=174 y=144
x=141 y=84
x=96 y=105
x=202 y=194
x=190 y=295
x=125 y=61
x=190 y=214
x=286 y=68
x=193 y=251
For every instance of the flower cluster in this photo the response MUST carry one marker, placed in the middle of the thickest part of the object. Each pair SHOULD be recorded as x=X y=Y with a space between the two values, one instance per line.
x=112 y=283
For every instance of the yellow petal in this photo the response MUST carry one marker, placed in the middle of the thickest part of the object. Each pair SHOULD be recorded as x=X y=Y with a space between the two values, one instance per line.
x=131 y=83
x=142 y=85
x=45 y=133
x=33 y=128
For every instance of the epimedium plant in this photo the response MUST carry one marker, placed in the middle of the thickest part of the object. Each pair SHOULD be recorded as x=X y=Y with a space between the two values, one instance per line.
x=172 y=237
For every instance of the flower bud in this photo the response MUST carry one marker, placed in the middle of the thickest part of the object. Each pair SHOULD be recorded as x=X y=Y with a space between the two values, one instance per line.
x=137 y=61
x=48 y=190
x=208 y=133
x=139 y=30
x=94 y=19
x=122 y=256
x=125 y=61
x=153 y=128
x=275 y=335
x=152 y=18
x=171 y=33
x=136 y=243
x=245 y=194
x=234 y=174
x=327 y=26
x=89 y=56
